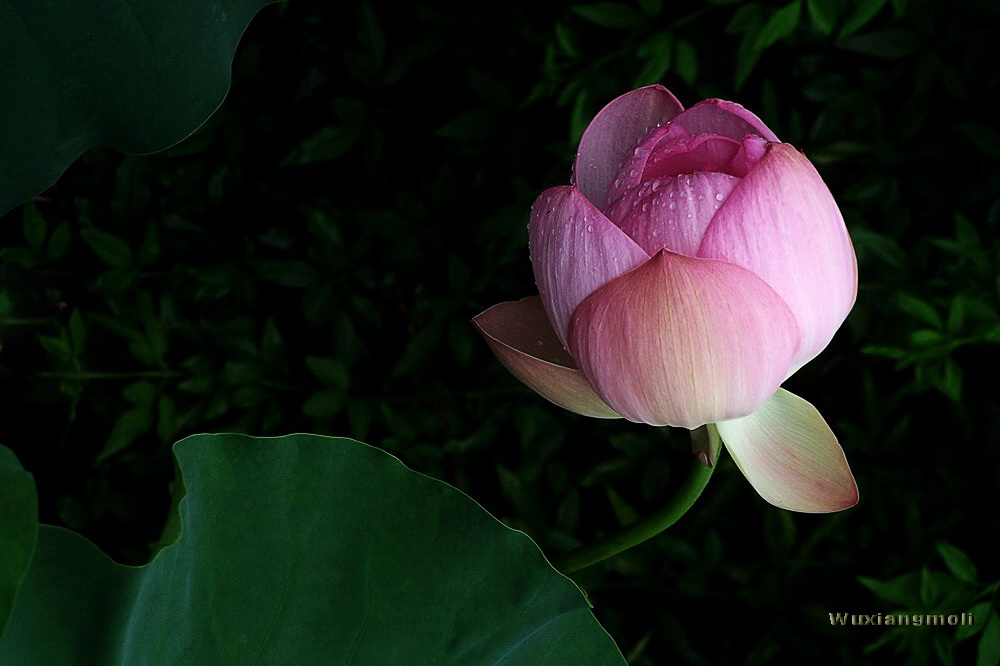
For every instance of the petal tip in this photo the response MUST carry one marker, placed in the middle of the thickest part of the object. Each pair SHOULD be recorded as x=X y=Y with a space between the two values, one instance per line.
x=791 y=457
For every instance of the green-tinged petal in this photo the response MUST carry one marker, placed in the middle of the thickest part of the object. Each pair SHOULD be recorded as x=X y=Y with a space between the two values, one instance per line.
x=520 y=335
x=791 y=457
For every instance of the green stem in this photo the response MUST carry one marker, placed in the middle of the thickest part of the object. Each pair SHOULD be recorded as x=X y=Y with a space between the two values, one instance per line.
x=706 y=441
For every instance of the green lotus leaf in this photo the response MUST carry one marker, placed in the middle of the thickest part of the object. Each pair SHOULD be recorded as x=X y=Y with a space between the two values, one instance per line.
x=135 y=75
x=307 y=549
x=18 y=527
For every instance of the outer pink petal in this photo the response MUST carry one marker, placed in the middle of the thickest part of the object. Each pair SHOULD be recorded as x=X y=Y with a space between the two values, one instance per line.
x=782 y=223
x=519 y=334
x=717 y=116
x=574 y=250
x=613 y=135
x=791 y=457
x=683 y=341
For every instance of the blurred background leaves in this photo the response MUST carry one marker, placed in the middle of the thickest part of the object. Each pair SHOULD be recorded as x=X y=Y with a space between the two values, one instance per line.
x=310 y=258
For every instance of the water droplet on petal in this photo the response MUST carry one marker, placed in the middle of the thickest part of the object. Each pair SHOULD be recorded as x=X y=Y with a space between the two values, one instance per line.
x=655 y=185
x=718 y=196
x=633 y=173
x=590 y=228
x=645 y=208
x=618 y=182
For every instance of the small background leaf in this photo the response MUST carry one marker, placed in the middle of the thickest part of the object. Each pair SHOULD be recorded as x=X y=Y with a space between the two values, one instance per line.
x=989 y=644
x=781 y=24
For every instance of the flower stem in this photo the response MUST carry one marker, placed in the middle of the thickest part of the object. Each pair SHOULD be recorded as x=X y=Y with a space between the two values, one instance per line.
x=705 y=442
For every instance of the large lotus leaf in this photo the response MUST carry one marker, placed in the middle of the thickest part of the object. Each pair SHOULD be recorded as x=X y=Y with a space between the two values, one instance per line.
x=307 y=549
x=136 y=75
x=18 y=527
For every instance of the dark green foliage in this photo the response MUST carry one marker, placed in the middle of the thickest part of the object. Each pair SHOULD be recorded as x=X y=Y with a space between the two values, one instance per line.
x=935 y=593
x=310 y=258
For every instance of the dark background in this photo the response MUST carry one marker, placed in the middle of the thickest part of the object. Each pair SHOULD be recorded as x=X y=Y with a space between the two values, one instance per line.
x=309 y=260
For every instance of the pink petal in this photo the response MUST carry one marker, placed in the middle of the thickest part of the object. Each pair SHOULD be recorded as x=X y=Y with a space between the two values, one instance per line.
x=782 y=223
x=672 y=213
x=633 y=171
x=717 y=116
x=519 y=334
x=791 y=457
x=574 y=250
x=614 y=133
x=683 y=341
x=705 y=152
x=751 y=150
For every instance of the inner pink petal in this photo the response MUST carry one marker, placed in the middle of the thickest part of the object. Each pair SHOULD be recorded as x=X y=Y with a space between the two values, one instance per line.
x=751 y=150
x=633 y=169
x=673 y=213
x=707 y=152
x=716 y=116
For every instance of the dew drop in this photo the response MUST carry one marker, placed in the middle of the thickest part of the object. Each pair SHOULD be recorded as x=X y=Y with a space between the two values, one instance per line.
x=655 y=185
x=656 y=232
x=618 y=182
x=673 y=206
x=633 y=173
x=645 y=208
x=590 y=228
x=718 y=196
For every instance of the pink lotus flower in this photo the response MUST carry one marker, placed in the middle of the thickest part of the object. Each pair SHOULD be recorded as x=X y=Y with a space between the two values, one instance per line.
x=696 y=263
